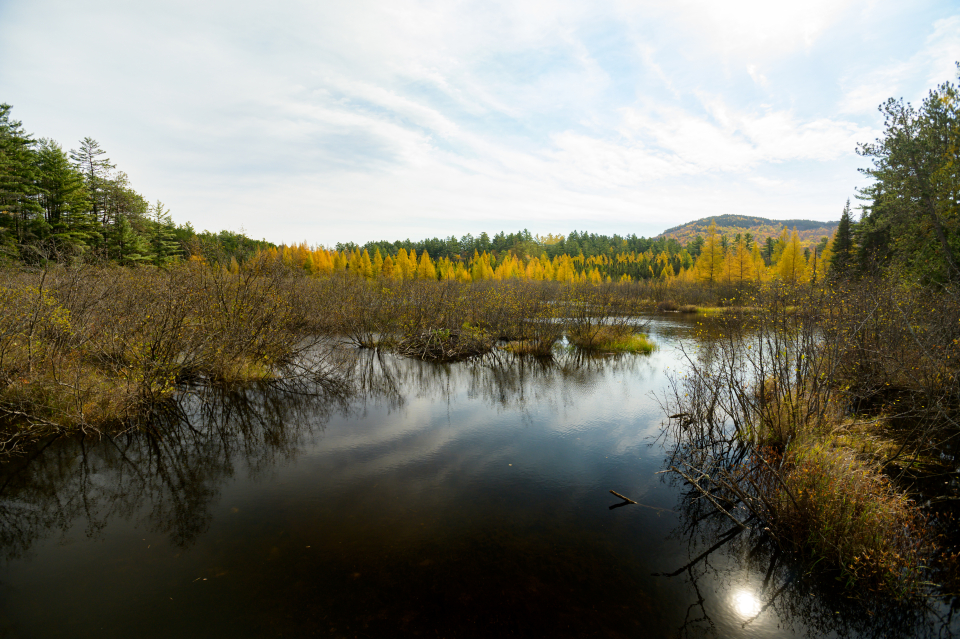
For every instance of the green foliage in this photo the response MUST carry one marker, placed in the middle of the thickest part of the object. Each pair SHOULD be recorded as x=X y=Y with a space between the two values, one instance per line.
x=124 y=245
x=61 y=206
x=18 y=189
x=843 y=255
x=162 y=239
x=911 y=211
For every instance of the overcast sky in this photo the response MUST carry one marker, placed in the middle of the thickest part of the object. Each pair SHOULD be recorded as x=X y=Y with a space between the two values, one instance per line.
x=333 y=121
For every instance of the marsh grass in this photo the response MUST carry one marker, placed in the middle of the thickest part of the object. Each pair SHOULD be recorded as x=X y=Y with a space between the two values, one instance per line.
x=535 y=348
x=90 y=347
x=785 y=420
x=621 y=338
x=839 y=507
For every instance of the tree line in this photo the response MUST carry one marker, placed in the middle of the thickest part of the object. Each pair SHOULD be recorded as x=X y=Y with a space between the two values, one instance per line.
x=82 y=203
x=78 y=202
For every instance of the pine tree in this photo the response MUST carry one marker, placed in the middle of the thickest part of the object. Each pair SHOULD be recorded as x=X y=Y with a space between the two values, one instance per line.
x=63 y=198
x=18 y=189
x=164 y=247
x=841 y=262
x=124 y=244
x=96 y=171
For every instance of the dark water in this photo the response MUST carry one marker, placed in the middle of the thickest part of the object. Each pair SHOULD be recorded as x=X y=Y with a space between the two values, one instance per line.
x=468 y=500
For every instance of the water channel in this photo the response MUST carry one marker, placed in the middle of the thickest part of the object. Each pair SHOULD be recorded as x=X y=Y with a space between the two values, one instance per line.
x=462 y=500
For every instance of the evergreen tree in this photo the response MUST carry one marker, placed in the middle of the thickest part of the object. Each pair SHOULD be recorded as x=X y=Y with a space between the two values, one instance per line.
x=163 y=246
x=18 y=189
x=911 y=213
x=768 y=249
x=124 y=244
x=63 y=195
x=842 y=248
x=96 y=171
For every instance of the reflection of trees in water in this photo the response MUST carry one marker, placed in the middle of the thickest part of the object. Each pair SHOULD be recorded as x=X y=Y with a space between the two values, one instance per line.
x=499 y=377
x=509 y=380
x=756 y=583
x=166 y=477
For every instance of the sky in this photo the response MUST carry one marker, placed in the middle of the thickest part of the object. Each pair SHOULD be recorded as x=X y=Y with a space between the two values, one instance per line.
x=359 y=120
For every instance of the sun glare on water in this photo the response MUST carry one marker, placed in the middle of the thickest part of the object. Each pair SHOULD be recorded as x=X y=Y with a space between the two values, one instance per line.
x=745 y=603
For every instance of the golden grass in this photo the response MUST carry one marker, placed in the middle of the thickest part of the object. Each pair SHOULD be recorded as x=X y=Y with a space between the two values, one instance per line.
x=620 y=339
x=837 y=505
x=537 y=348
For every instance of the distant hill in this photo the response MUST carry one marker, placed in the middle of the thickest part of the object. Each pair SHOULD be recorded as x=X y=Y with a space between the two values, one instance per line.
x=810 y=231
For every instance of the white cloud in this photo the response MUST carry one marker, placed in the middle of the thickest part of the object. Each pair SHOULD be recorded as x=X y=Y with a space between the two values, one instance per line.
x=912 y=78
x=758 y=77
x=753 y=28
x=349 y=121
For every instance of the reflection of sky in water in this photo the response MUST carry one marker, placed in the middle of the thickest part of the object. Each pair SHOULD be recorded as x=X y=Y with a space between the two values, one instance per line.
x=470 y=499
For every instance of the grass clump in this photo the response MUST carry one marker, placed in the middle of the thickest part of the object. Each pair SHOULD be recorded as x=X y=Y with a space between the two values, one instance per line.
x=536 y=348
x=620 y=339
x=837 y=506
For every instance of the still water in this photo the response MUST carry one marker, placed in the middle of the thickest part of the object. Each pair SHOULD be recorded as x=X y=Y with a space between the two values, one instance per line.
x=415 y=499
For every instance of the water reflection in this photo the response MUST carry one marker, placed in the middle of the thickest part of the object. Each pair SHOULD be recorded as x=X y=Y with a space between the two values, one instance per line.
x=407 y=498
x=741 y=581
x=745 y=603
x=177 y=466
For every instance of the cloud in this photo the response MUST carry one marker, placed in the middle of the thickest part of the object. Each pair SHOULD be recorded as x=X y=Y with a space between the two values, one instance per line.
x=912 y=78
x=349 y=121
x=727 y=140
x=757 y=28
x=758 y=77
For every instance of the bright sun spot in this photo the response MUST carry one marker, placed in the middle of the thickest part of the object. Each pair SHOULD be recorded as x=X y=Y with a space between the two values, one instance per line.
x=746 y=603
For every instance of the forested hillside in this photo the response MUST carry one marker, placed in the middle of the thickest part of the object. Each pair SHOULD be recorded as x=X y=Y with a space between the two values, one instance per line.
x=810 y=231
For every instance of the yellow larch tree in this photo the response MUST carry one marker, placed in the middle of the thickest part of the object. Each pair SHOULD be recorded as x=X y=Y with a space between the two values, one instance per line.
x=425 y=267
x=742 y=263
x=389 y=269
x=710 y=262
x=793 y=265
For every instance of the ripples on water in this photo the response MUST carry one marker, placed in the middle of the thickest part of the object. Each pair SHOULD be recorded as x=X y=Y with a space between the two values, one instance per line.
x=468 y=499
